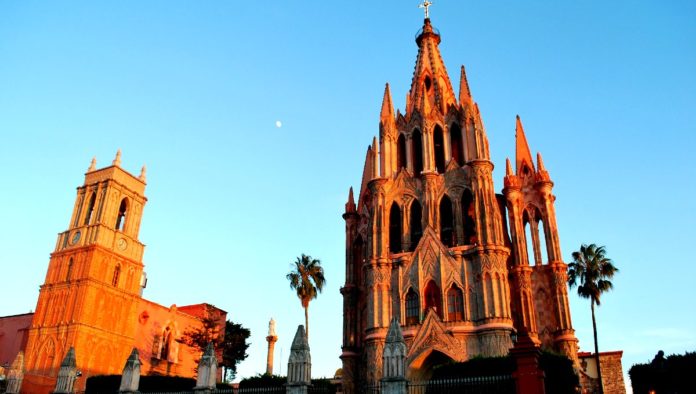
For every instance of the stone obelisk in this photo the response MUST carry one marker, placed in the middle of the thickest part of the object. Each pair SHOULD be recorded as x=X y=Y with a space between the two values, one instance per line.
x=271 y=339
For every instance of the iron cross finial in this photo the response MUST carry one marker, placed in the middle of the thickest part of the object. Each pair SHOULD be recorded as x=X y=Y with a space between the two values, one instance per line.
x=425 y=5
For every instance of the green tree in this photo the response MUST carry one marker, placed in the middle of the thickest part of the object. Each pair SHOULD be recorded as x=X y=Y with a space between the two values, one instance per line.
x=307 y=279
x=229 y=339
x=591 y=271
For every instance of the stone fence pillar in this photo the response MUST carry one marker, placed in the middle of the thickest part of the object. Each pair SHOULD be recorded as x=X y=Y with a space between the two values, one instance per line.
x=15 y=375
x=394 y=361
x=207 y=371
x=67 y=375
x=529 y=377
x=130 y=378
x=299 y=364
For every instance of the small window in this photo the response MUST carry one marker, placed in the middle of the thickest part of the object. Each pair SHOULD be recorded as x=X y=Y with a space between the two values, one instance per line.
x=412 y=308
x=428 y=83
x=456 y=144
x=395 y=228
x=400 y=152
x=447 y=233
x=455 y=307
x=416 y=225
x=433 y=299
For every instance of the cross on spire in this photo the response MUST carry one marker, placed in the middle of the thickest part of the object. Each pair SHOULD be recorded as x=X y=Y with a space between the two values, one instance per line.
x=425 y=5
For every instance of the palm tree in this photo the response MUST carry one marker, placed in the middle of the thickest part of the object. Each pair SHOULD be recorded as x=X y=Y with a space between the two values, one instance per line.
x=591 y=271
x=307 y=279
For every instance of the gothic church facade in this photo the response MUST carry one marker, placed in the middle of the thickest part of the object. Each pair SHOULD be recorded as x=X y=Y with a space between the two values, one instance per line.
x=431 y=243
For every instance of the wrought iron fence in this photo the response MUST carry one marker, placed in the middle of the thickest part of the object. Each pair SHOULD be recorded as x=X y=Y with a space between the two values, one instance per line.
x=503 y=384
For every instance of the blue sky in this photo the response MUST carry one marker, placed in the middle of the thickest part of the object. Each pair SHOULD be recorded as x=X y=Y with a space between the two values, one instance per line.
x=606 y=91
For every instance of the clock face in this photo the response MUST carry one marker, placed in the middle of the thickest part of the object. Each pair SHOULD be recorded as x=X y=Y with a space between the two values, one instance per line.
x=75 y=237
x=122 y=244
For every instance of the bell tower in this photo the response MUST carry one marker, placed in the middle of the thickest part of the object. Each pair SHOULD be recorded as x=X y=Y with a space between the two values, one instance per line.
x=93 y=283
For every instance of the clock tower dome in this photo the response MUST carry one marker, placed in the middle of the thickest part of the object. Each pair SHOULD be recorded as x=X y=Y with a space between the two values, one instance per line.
x=93 y=285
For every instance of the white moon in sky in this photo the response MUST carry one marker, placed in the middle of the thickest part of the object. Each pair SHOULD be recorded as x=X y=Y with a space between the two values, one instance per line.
x=279 y=124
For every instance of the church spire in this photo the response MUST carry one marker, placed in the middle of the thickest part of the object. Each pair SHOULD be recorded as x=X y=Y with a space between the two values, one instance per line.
x=387 y=106
x=522 y=153
x=464 y=92
x=430 y=80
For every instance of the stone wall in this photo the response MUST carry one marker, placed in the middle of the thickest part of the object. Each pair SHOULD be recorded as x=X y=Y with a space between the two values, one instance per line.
x=612 y=372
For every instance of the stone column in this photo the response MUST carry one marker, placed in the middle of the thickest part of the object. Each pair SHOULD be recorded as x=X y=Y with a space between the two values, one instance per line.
x=394 y=361
x=299 y=364
x=272 y=338
x=15 y=375
x=130 y=378
x=529 y=378
x=207 y=371
x=67 y=375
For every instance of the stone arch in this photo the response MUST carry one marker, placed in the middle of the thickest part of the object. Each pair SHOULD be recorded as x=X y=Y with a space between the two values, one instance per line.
x=421 y=364
x=46 y=357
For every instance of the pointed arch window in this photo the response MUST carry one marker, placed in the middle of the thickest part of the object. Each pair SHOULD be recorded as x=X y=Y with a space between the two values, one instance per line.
x=412 y=308
x=166 y=343
x=121 y=218
x=468 y=214
x=528 y=239
x=417 y=145
x=400 y=152
x=439 y=146
x=117 y=274
x=395 y=228
x=433 y=298
x=456 y=144
x=90 y=208
x=416 y=224
x=455 y=305
x=447 y=235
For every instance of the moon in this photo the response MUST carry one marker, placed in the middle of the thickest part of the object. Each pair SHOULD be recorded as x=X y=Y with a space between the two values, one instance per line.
x=278 y=124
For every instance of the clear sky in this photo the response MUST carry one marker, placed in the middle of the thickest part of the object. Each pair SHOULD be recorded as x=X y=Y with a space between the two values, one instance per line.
x=606 y=91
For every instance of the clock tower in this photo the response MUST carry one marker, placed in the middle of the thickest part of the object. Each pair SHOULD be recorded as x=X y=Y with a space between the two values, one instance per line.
x=92 y=289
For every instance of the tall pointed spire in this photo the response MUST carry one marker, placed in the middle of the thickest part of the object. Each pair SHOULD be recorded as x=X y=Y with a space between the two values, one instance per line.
x=350 y=204
x=540 y=163
x=522 y=153
x=387 y=106
x=430 y=80
x=464 y=92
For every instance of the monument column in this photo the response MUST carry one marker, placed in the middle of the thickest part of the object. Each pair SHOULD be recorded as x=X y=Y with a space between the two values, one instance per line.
x=272 y=338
